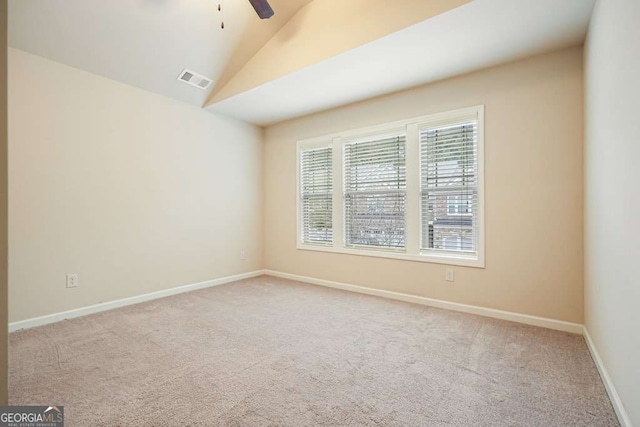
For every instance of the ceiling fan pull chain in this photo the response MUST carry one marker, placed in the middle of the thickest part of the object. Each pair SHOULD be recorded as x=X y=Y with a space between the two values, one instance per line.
x=222 y=14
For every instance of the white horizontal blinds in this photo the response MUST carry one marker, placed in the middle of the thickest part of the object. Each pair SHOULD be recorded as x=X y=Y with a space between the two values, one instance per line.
x=316 y=178
x=375 y=182
x=449 y=187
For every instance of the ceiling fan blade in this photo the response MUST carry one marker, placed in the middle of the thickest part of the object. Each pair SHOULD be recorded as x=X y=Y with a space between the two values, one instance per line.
x=263 y=9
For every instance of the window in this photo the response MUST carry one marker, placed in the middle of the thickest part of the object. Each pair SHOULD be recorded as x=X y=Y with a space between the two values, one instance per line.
x=449 y=186
x=375 y=192
x=457 y=243
x=316 y=194
x=412 y=189
x=457 y=205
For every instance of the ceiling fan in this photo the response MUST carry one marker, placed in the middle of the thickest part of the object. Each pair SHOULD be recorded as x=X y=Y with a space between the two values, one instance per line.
x=262 y=8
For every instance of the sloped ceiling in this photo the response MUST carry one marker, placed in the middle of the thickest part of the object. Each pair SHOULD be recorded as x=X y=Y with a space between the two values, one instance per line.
x=311 y=56
x=325 y=28
x=146 y=43
x=480 y=34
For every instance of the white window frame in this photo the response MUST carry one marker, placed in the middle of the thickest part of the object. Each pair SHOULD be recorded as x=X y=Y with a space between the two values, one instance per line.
x=413 y=213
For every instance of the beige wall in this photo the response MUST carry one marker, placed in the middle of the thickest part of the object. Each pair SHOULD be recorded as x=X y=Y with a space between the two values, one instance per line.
x=612 y=179
x=534 y=190
x=135 y=192
x=3 y=202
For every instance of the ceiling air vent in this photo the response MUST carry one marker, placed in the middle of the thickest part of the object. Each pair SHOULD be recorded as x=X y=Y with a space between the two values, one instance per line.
x=194 y=79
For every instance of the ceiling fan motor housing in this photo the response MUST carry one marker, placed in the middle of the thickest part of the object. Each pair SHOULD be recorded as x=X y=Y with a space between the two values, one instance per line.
x=263 y=9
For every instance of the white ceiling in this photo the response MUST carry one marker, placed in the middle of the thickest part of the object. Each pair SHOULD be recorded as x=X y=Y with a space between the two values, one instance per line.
x=477 y=35
x=146 y=43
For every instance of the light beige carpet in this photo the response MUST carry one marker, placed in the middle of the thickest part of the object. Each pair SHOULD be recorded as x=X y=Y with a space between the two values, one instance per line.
x=271 y=352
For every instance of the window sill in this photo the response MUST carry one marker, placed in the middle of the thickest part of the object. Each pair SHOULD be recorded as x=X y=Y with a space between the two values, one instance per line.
x=423 y=257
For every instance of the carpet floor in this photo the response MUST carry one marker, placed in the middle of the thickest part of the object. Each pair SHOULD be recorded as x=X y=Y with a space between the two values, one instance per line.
x=273 y=352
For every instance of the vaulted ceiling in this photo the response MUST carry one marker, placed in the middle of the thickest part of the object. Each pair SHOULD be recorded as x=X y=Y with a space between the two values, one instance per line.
x=310 y=56
x=147 y=43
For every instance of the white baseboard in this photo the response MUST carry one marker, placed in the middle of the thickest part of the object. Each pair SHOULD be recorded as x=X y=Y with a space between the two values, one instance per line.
x=481 y=311
x=623 y=417
x=83 y=311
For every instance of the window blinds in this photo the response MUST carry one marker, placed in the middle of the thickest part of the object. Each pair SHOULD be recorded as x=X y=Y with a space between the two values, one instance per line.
x=375 y=192
x=449 y=187
x=317 y=195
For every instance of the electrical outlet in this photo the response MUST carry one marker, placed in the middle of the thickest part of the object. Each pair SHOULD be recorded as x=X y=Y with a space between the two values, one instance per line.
x=449 y=275
x=242 y=255
x=72 y=280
